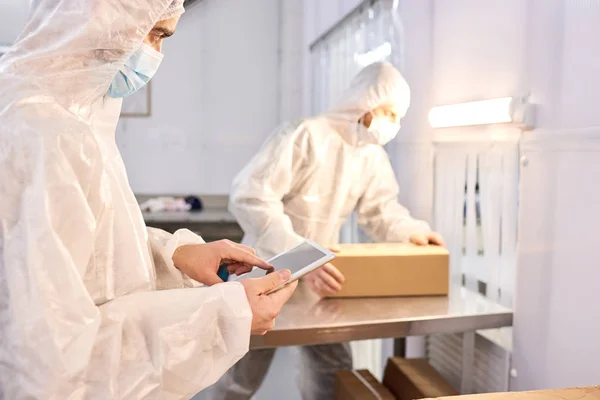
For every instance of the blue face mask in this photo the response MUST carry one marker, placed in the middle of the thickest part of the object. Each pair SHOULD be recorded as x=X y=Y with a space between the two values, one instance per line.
x=136 y=73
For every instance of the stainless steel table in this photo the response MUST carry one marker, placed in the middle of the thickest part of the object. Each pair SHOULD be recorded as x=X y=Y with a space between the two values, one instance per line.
x=211 y=224
x=188 y=217
x=305 y=320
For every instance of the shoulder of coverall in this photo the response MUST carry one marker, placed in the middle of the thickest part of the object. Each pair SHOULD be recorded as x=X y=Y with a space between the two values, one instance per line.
x=375 y=154
x=72 y=49
x=312 y=137
x=38 y=124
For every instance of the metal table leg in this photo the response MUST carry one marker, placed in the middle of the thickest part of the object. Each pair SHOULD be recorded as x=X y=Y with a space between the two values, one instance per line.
x=468 y=361
x=400 y=347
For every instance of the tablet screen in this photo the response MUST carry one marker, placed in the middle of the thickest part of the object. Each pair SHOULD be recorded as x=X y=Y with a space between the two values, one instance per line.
x=297 y=258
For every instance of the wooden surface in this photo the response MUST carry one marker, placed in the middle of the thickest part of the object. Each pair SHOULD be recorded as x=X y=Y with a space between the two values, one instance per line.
x=586 y=393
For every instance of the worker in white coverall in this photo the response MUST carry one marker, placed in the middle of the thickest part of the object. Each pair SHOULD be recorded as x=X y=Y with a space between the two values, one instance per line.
x=92 y=304
x=305 y=182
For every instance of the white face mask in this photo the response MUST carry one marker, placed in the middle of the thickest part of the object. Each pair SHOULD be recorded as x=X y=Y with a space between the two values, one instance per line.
x=136 y=73
x=381 y=130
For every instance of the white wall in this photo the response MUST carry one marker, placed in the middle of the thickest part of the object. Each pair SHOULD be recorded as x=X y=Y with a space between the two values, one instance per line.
x=292 y=58
x=558 y=279
x=13 y=15
x=215 y=99
x=478 y=49
x=558 y=285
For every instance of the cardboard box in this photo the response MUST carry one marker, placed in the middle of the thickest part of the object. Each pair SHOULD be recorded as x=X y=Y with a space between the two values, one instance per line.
x=410 y=379
x=359 y=385
x=392 y=269
x=586 y=393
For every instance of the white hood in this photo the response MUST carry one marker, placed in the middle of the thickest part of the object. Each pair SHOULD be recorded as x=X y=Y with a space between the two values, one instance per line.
x=375 y=85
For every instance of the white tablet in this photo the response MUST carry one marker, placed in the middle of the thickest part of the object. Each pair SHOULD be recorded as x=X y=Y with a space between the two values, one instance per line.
x=303 y=258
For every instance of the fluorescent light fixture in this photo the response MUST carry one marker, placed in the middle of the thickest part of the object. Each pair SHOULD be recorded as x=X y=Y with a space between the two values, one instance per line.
x=484 y=112
x=379 y=53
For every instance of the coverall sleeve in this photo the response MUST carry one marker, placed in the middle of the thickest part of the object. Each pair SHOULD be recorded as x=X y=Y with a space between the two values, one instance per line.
x=379 y=213
x=258 y=191
x=162 y=246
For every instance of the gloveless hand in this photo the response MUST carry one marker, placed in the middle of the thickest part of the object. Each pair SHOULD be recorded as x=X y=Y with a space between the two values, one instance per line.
x=201 y=261
x=423 y=239
x=325 y=281
x=265 y=308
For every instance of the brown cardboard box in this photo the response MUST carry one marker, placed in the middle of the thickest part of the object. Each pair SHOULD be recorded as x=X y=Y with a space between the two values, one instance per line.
x=392 y=269
x=359 y=385
x=410 y=379
x=587 y=393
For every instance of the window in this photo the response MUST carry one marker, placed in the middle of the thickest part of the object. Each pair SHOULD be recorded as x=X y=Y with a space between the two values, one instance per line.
x=371 y=33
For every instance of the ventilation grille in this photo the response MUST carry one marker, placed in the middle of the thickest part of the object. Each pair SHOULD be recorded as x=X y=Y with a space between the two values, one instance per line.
x=492 y=362
x=476 y=210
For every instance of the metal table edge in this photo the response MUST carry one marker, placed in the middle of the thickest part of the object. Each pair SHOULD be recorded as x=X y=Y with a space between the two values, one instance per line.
x=382 y=330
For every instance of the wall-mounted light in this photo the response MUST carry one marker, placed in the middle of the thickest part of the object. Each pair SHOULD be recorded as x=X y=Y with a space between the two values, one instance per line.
x=379 y=53
x=485 y=112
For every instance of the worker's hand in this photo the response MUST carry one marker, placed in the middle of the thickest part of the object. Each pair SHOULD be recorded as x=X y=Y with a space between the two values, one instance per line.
x=325 y=281
x=201 y=261
x=265 y=308
x=423 y=239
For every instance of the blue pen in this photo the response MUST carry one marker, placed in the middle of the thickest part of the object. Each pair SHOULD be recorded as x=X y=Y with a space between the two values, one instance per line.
x=223 y=272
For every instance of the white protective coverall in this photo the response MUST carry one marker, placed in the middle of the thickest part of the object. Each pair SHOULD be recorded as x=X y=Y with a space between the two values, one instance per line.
x=91 y=305
x=305 y=182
